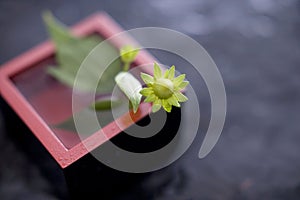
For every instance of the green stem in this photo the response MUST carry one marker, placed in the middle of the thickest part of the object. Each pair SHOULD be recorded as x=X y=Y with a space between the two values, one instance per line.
x=126 y=66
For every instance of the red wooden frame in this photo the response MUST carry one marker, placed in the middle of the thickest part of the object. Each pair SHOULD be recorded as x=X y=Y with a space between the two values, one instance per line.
x=100 y=23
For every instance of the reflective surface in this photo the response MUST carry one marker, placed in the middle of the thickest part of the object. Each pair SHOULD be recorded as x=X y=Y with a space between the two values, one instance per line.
x=255 y=44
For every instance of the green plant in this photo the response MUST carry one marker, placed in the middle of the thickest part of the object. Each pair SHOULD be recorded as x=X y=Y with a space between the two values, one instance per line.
x=163 y=90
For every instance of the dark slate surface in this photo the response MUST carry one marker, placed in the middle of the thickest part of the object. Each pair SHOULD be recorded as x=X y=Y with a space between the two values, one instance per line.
x=255 y=44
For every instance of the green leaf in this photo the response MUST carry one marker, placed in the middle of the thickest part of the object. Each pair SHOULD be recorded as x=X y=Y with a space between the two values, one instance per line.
x=150 y=98
x=180 y=97
x=146 y=91
x=178 y=80
x=56 y=29
x=173 y=101
x=105 y=103
x=70 y=54
x=155 y=107
x=131 y=88
x=166 y=105
x=183 y=84
x=88 y=126
x=171 y=73
x=157 y=71
x=147 y=78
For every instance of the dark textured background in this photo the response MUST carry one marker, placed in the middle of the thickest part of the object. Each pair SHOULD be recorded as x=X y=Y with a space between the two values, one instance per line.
x=256 y=45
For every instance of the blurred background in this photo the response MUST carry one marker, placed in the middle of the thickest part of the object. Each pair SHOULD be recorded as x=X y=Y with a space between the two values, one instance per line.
x=256 y=46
